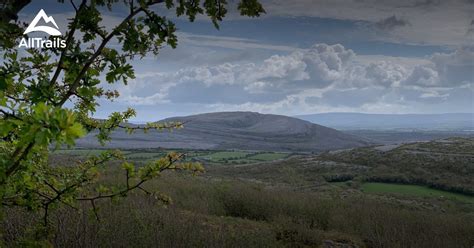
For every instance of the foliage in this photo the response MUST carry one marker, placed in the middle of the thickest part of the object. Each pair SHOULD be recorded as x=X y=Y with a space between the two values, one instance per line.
x=443 y=164
x=220 y=213
x=48 y=97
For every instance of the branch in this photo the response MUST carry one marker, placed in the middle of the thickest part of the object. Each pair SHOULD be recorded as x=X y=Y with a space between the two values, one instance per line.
x=15 y=98
x=91 y=60
x=94 y=208
x=68 y=41
x=16 y=162
x=52 y=187
x=10 y=9
x=98 y=52
x=11 y=115
x=144 y=190
x=22 y=153
x=74 y=5
x=136 y=186
x=60 y=193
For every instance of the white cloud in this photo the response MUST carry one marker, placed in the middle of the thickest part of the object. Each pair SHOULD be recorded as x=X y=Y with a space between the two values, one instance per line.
x=322 y=78
x=257 y=87
x=289 y=67
x=423 y=76
x=326 y=63
x=386 y=74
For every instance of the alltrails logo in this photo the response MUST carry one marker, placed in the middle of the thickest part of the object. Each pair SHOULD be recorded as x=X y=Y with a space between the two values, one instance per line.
x=40 y=42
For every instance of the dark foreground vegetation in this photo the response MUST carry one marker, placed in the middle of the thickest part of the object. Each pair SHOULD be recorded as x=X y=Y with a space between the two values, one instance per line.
x=215 y=213
x=249 y=199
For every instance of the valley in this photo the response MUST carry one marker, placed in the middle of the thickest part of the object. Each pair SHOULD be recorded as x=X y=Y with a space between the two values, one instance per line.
x=374 y=196
x=260 y=188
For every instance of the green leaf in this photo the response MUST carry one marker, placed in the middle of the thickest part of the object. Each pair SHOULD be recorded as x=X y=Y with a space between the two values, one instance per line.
x=3 y=83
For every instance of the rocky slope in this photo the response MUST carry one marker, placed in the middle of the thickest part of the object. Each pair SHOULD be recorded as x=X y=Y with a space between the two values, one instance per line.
x=237 y=130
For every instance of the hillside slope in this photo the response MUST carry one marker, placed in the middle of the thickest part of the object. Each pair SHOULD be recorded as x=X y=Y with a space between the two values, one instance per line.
x=237 y=130
x=446 y=164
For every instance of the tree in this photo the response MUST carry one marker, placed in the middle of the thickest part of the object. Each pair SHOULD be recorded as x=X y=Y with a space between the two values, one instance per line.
x=35 y=87
x=10 y=8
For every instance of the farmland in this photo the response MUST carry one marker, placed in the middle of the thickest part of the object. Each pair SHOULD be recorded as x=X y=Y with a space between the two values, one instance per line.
x=205 y=156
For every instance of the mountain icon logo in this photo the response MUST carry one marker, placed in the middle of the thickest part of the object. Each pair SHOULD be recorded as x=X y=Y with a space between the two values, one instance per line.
x=47 y=19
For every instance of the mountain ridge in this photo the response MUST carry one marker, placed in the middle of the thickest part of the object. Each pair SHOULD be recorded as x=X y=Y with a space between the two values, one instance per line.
x=237 y=130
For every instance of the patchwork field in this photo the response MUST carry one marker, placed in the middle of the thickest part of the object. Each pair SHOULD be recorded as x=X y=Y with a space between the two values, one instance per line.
x=204 y=156
x=79 y=152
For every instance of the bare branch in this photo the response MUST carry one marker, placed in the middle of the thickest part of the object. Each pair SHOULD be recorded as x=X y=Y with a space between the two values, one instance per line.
x=94 y=209
x=73 y=5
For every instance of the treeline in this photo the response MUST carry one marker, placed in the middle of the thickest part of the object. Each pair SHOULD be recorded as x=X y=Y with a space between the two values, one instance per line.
x=450 y=173
x=421 y=182
x=332 y=178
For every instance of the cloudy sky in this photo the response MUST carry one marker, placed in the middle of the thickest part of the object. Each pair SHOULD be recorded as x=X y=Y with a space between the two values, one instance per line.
x=306 y=56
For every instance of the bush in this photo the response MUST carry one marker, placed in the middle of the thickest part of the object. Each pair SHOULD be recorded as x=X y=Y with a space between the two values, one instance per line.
x=236 y=214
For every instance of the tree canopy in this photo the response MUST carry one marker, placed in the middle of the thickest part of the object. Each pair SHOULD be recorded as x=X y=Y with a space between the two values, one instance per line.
x=36 y=84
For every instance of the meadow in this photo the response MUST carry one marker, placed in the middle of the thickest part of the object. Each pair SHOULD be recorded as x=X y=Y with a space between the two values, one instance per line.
x=208 y=156
x=413 y=190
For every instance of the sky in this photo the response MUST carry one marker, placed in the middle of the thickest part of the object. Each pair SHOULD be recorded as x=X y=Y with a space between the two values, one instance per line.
x=304 y=57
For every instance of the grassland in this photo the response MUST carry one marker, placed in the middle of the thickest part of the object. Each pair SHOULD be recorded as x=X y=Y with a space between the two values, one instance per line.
x=79 y=152
x=413 y=190
x=268 y=156
x=225 y=155
x=144 y=155
x=206 y=156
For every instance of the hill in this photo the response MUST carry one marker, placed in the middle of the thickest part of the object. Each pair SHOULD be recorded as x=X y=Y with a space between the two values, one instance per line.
x=445 y=164
x=237 y=130
x=354 y=121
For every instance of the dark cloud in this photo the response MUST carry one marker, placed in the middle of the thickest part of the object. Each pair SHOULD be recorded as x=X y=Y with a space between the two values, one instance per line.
x=427 y=3
x=391 y=23
x=470 y=29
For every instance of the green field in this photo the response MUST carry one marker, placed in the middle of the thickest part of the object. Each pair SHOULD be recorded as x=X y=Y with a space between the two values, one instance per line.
x=268 y=156
x=414 y=190
x=144 y=155
x=80 y=152
x=218 y=156
x=215 y=157
x=242 y=157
